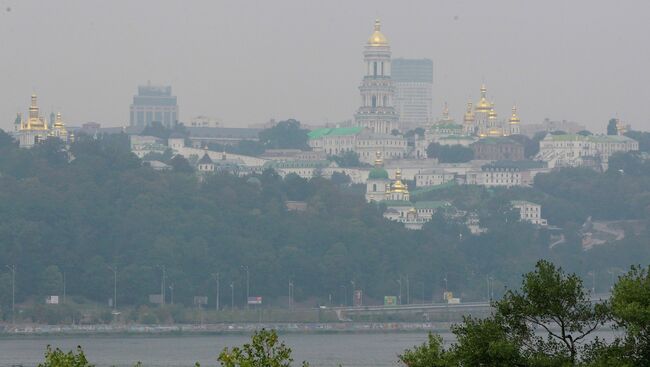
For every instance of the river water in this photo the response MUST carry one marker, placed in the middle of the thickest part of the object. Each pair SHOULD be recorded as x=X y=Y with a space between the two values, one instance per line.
x=346 y=349
x=354 y=350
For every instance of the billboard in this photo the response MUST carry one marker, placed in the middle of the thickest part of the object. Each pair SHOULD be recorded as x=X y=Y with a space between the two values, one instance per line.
x=390 y=301
x=257 y=300
x=52 y=300
x=358 y=297
x=200 y=300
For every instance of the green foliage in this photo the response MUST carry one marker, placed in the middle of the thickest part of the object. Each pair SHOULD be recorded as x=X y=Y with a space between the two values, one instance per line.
x=485 y=342
x=285 y=135
x=58 y=358
x=347 y=159
x=264 y=350
x=429 y=354
x=157 y=129
x=450 y=153
x=611 y=127
x=555 y=302
x=631 y=311
x=643 y=137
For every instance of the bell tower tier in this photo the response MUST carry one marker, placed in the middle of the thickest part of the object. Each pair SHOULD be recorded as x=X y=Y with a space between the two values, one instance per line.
x=377 y=91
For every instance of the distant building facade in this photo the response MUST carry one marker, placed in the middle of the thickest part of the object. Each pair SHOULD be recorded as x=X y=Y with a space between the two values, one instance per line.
x=573 y=150
x=529 y=212
x=413 y=80
x=498 y=148
x=154 y=103
x=365 y=143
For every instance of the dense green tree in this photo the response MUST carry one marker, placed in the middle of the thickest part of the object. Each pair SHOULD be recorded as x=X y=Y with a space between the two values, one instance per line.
x=585 y=133
x=180 y=164
x=264 y=350
x=611 y=127
x=58 y=358
x=643 y=137
x=429 y=354
x=450 y=153
x=347 y=159
x=630 y=305
x=557 y=303
x=285 y=135
x=159 y=130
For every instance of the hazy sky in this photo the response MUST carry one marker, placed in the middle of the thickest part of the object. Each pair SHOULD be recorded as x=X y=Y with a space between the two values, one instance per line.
x=247 y=61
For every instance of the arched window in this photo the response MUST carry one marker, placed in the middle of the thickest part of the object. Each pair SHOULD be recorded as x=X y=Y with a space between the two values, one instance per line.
x=374 y=101
x=385 y=103
x=374 y=187
x=374 y=66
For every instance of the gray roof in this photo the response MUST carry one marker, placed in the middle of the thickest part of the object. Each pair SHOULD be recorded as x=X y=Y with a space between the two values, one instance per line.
x=224 y=132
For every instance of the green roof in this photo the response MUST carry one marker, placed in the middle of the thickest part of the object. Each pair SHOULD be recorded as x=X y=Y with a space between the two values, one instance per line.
x=456 y=137
x=339 y=131
x=378 y=173
x=297 y=164
x=430 y=204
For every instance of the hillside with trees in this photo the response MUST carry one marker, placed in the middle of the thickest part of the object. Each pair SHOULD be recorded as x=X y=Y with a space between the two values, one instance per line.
x=78 y=214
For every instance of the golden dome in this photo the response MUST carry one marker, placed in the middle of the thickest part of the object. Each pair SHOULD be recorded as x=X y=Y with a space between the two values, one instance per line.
x=492 y=114
x=469 y=115
x=398 y=185
x=377 y=38
x=483 y=105
x=58 y=122
x=514 y=119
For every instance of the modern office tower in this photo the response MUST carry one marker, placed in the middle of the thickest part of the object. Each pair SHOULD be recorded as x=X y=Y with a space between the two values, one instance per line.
x=154 y=103
x=413 y=81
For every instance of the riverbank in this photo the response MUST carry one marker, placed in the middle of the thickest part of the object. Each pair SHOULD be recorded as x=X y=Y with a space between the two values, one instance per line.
x=227 y=328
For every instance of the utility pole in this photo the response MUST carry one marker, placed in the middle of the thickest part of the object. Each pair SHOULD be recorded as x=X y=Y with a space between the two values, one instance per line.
x=114 y=270
x=353 y=290
x=345 y=295
x=245 y=267
x=216 y=278
x=12 y=268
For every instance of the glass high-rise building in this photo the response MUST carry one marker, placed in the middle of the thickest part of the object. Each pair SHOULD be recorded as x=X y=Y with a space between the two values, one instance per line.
x=413 y=81
x=154 y=103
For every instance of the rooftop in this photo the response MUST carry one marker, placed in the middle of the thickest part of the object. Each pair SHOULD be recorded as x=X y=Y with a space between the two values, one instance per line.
x=338 y=131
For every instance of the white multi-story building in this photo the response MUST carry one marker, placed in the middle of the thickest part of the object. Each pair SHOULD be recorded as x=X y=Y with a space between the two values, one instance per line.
x=573 y=150
x=433 y=178
x=506 y=174
x=413 y=80
x=337 y=141
x=529 y=212
x=377 y=91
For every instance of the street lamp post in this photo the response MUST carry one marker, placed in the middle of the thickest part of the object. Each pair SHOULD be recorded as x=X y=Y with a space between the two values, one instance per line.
x=232 y=295
x=216 y=278
x=162 y=285
x=399 y=296
x=245 y=267
x=408 y=291
x=345 y=294
x=114 y=270
x=291 y=295
x=171 y=289
x=12 y=268
x=353 y=290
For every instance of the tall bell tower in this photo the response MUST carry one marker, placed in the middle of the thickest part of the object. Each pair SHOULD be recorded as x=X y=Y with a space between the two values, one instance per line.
x=377 y=92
